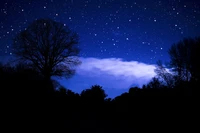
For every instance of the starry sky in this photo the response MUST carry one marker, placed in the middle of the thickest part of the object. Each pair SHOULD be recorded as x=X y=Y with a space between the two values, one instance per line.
x=116 y=36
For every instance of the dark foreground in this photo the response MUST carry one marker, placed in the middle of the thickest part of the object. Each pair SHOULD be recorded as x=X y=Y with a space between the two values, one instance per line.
x=57 y=111
x=30 y=104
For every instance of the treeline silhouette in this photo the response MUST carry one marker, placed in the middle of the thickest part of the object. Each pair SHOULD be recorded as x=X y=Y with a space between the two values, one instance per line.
x=31 y=104
x=32 y=101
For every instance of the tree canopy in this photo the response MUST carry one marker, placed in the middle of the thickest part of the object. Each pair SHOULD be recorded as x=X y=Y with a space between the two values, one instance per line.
x=49 y=46
x=183 y=58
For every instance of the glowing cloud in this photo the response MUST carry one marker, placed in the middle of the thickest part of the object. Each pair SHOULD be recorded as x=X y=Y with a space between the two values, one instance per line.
x=116 y=71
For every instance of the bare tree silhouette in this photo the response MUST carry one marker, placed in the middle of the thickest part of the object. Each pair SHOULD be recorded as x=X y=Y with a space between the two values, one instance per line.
x=183 y=58
x=165 y=76
x=49 y=46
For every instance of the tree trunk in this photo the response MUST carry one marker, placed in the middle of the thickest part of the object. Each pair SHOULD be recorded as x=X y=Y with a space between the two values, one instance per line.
x=48 y=83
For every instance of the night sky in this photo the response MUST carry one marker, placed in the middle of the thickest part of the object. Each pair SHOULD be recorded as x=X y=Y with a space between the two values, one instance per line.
x=120 y=40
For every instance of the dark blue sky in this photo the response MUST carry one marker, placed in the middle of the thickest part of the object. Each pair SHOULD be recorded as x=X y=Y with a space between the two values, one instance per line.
x=134 y=31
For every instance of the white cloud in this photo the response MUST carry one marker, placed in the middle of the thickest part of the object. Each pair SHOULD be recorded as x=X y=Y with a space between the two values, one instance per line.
x=115 y=72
